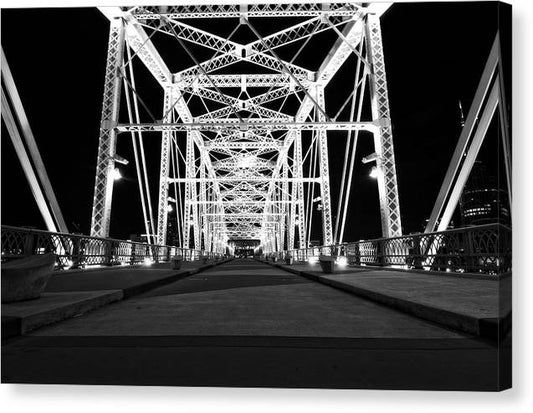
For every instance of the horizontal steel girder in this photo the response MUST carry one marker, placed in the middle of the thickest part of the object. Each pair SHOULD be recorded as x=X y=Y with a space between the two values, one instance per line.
x=250 y=125
x=239 y=81
x=252 y=10
x=224 y=179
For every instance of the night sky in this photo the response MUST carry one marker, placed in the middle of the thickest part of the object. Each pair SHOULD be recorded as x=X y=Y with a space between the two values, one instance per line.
x=434 y=55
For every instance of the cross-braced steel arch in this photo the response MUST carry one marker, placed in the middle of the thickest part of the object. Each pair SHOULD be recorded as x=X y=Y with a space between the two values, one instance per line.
x=245 y=131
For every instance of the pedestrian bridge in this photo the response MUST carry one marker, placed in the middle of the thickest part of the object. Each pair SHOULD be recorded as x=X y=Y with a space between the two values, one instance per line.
x=248 y=118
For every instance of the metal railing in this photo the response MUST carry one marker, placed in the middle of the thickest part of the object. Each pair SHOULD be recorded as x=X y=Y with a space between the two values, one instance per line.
x=480 y=249
x=82 y=251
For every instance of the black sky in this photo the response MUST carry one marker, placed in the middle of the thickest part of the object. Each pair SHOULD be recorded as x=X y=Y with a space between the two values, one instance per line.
x=434 y=54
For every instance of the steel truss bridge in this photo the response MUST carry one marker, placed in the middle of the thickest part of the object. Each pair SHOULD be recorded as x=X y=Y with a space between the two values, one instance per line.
x=244 y=121
x=244 y=132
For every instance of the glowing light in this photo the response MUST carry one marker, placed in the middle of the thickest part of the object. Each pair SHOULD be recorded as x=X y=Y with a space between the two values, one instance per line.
x=342 y=261
x=116 y=174
x=374 y=172
x=246 y=162
x=169 y=208
x=68 y=264
x=312 y=260
x=147 y=262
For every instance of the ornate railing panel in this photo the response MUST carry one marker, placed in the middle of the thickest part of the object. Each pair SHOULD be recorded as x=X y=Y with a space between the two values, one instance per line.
x=81 y=251
x=481 y=249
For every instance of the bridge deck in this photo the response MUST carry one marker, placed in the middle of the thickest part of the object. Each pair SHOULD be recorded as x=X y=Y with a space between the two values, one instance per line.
x=250 y=324
x=473 y=303
x=244 y=298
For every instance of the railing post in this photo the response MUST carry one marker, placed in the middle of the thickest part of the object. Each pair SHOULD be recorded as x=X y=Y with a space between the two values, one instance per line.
x=416 y=255
x=108 y=253
x=133 y=253
x=76 y=253
x=156 y=253
x=30 y=240
x=379 y=250
x=147 y=252
x=469 y=252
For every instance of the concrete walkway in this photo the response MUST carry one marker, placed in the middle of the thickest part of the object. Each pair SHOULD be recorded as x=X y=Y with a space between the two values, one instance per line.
x=479 y=306
x=245 y=323
x=74 y=292
x=247 y=298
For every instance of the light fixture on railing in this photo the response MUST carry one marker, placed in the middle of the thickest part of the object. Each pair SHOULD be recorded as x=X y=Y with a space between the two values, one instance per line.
x=342 y=261
x=147 y=262
x=312 y=260
x=373 y=172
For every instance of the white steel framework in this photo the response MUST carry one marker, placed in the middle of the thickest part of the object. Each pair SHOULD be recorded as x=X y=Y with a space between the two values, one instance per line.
x=245 y=131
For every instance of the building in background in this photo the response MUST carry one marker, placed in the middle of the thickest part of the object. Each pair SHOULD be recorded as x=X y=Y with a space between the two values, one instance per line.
x=483 y=201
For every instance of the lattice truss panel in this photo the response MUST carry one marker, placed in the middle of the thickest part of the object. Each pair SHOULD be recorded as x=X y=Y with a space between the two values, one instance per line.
x=246 y=118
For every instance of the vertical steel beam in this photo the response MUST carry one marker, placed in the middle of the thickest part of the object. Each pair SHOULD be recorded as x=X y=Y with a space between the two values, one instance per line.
x=327 y=228
x=292 y=214
x=105 y=164
x=189 y=174
x=162 y=213
x=383 y=142
x=197 y=231
x=203 y=230
x=285 y=219
x=292 y=208
x=298 y=201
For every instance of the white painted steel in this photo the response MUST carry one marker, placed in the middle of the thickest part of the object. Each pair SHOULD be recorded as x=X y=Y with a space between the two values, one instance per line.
x=242 y=176
x=30 y=160
x=489 y=96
